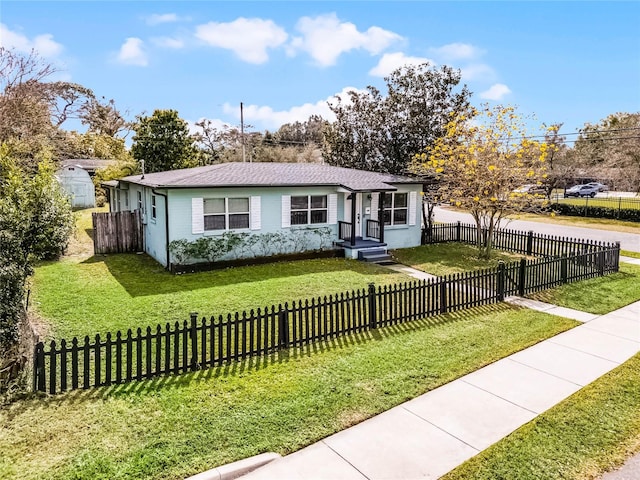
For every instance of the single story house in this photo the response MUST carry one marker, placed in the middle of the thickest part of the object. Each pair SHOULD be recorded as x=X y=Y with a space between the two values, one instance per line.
x=273 y=208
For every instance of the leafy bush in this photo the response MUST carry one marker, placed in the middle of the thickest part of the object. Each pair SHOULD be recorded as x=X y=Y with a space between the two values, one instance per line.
x=36 y=222
x=630 y=214
x=244 y=245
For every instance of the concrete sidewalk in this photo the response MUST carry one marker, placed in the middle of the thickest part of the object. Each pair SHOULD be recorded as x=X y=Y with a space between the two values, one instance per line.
x=434 y=433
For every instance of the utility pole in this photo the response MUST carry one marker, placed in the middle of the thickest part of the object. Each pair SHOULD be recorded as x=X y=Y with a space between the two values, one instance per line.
x=244 y=158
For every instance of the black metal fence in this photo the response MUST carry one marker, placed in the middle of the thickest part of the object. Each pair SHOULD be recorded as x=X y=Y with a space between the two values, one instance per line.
x=516 y=241
x=206 y=342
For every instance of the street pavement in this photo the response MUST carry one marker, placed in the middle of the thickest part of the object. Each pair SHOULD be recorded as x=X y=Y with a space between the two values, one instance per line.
x=628 y=241
x=430 y=435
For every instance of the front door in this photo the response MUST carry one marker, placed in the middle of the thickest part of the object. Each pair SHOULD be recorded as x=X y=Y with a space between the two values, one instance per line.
x=347 y=212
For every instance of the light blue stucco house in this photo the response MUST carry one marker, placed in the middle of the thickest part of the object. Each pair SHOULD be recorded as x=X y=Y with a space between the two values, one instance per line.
x=271 y=208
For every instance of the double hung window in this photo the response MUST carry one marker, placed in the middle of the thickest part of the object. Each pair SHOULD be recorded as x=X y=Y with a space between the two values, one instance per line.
x=395 y=209
x=226 y=213
x=308 y=209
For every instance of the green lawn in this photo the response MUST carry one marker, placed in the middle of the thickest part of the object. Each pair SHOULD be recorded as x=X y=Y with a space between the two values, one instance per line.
x=116 y=292
x=173 y=427
x=631 y=203
x=591 y=432
x=447 y=258
x=598 y=295
x=629 y=253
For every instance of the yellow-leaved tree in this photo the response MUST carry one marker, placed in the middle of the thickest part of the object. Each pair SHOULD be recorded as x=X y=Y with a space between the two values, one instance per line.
x=486 y=164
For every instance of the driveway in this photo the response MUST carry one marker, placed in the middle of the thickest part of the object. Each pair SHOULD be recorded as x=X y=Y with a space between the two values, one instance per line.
x=628 y=241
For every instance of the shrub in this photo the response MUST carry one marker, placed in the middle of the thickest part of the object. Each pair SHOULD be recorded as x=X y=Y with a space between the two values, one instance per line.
x=630 y=214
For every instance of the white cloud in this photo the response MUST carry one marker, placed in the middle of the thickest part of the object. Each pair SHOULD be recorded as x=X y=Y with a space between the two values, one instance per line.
x=132 y=52
x=458 y=51
x=168 y=42
x=43 y=44
x=392 y=61
x=325 y=38
x=267 y=117
x=248 y=38
x=496 y=92
x=478 y=72
x=158 y=18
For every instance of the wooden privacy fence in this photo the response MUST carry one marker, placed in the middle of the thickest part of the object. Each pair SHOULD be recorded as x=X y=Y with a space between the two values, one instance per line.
x=526 y=243
x=117 y=232
x=198 y=344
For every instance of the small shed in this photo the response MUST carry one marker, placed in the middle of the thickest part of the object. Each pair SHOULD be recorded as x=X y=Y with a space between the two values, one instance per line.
x=76 y=181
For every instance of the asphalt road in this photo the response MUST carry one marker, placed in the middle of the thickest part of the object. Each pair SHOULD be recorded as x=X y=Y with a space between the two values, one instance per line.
x=628 y=241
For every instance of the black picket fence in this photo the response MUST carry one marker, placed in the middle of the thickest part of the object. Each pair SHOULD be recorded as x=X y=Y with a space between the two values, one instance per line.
x=516 y=241
x=199 y=344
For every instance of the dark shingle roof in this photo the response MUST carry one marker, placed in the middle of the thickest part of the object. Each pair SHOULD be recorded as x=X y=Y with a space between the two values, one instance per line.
x=271 y=174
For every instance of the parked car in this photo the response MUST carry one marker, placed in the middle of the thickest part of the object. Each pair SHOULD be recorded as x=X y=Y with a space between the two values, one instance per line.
x=581 y=191
x=600 y=186
x=532 y=189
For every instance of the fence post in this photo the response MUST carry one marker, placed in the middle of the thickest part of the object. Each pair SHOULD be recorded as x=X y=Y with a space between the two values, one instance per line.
x=530 y=242
x=443 y=295
x=601 y=262
x=522 y=276
x=458 y=231
x=617 y=259
x=500 y=282
x=193 y=332
x=373 y=314
x=38 y=368
x=283 y=327
x=563 y=269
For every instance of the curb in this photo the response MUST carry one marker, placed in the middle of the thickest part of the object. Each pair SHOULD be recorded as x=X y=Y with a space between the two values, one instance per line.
x=236 y=469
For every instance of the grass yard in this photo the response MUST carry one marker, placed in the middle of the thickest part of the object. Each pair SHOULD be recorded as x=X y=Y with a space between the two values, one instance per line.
x=629 y=253
x=173 y=427
x=116 y=292
x=447 y=258
x=597 y=295
x=599 y=223
x=591 y=432
x=631 y=203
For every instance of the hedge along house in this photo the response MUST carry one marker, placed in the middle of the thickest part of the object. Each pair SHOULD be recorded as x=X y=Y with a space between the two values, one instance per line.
x=264 y=209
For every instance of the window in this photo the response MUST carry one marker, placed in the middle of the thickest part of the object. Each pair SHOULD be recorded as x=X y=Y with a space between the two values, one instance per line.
x=153 y=207
x=140 y=201
x=395 y=209
x=126 y=200
x=226 y=213
x=118 y=202
x=308 y=209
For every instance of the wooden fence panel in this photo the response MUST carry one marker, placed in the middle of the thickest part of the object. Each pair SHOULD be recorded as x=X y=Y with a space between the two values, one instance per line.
x=117 y=232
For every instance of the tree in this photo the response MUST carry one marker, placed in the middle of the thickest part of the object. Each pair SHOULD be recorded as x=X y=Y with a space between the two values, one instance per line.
x=103 y=118
x=35 y=223
x=383 y=133
x=610 y=150
x=163 y=142
x=480 y=163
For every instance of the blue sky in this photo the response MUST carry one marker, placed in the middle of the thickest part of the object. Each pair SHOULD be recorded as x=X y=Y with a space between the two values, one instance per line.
x=572 y=62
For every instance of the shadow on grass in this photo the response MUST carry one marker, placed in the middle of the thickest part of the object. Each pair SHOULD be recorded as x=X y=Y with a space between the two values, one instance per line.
x=141 y=275
x=251 y=364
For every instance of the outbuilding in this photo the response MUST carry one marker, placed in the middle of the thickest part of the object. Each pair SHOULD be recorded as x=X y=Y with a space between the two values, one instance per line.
x=76 y=181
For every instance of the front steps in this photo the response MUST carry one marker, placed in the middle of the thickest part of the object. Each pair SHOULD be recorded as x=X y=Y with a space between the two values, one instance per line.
x=374 y=255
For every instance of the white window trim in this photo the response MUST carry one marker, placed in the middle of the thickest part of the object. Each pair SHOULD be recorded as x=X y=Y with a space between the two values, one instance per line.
x=226 y=215
x=154 y=208
x=309 y=210
x=393 y=208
